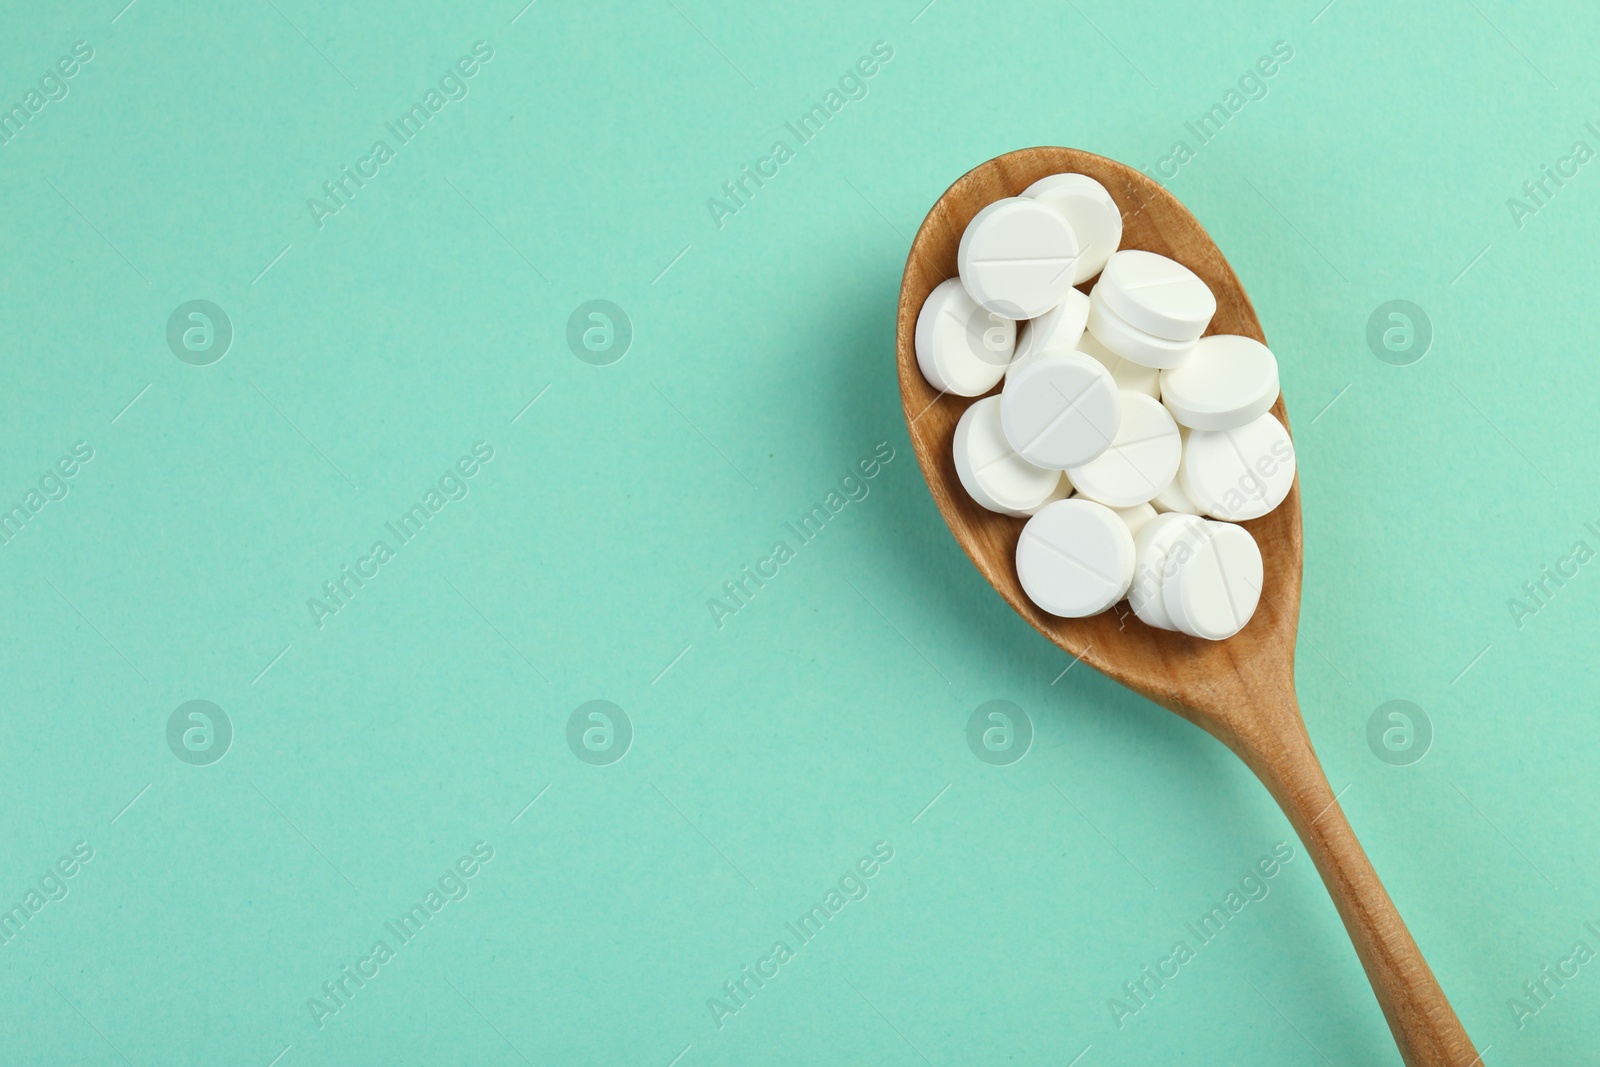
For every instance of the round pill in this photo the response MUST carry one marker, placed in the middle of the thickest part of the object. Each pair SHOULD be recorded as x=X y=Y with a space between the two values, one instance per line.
x=1213 y=592
x=1130 y=342
x=1136 y=517
x=1157 y=295
x=1142 y=459
x=1173 y=498
x=961 y=348
x=1060 y=410
x=1125 y=372
x=1225 y=382
x=1241 y=473
x=1017 y=258
x=1058 y=330
x=1090 y=211
x=991 y=472
x=1152 y=548
x=1075 y=558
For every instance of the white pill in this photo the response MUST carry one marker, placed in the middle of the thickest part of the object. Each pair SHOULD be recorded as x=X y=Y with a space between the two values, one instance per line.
x=1130 y=342
x=1241 y=473
x=1075 y=558
x=1224 y=383
x=1060 y=410
x=1090 y=211
x=1173 y=498
x=1213 y=593
x=1125 y=372
x=1142 y=460
x=1017 y=258
x=1058 y=330
x=1157 y=295
x=1153 y=546
x=1136 y=517
x=961 y=348
x=991 y=472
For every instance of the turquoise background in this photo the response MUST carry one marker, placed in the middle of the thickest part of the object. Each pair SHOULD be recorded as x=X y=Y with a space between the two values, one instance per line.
x=829 y=714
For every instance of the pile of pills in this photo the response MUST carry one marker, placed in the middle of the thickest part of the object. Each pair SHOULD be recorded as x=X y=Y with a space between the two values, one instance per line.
x=1131 y=442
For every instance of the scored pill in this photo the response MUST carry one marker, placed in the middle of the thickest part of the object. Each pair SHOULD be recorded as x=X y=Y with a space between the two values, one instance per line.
x=1158 y=295
x=1017 y=258
x=1142 y=459
x=1060 y=410
x=1214 y=592
x=1075 y=558
x=1241 y=473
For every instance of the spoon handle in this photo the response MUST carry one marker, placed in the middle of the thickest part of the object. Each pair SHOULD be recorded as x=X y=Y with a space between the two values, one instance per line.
x=1424 y=1025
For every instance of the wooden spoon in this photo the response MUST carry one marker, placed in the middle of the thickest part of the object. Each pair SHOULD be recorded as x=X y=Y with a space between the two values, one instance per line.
x=1241 y=691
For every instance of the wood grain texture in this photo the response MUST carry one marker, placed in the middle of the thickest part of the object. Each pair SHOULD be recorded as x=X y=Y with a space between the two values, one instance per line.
x=1240 y=690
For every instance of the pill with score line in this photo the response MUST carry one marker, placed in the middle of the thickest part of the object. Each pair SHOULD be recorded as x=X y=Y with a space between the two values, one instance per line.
x=1060 y=410
x=1017 y=258
x=1156 y=294
x=1241 y=473
x=1142 y=459
x=1214 y=591
x=1075 y=558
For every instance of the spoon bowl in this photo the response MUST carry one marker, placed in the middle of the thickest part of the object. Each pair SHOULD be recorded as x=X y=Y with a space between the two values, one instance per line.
x=1240 y=690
